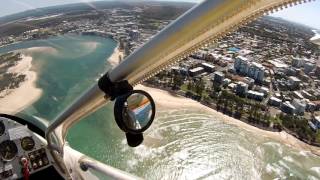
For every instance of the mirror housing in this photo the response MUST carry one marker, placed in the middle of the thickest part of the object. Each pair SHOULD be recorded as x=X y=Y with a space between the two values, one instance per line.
x=134 y=112
x=134 y=140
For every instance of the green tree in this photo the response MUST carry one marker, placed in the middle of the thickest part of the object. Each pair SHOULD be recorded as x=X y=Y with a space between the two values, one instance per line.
x=177 y=81
x=317 y=140
x=190 y=85
x=200 y=87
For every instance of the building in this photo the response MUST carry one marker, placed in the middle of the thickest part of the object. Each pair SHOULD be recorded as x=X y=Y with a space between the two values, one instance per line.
x=201 y=54
x=175 y=70
x=232 y=86
x=241 y=65
x=196 y=71
x=315 y=123
x=264 y=90
x=300 y=106
x=294 y=82
x=134 y=34
x=309 y=67
x=249 y=81
x=252 y=69
x=218 y=77
x=256 y=71
x=306 y=94
x=288 y=108
x=311 y=107
x=298 y=95
x=317 y=72
x=273 y=101
x=183 y=71
x=278 y=64
x=298 y=62
x=226 y=81
x=255 y=95
x=278 y=95
x=241 y=89
x=208 y=67
x=291 y=71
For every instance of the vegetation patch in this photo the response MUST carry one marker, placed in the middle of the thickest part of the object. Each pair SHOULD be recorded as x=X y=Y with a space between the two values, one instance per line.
x=10 y=80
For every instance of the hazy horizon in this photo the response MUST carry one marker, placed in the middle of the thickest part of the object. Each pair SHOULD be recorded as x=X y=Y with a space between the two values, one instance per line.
x=304 y=13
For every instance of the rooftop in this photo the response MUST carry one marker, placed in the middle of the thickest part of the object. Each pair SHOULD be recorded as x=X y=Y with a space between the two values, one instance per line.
x=288 y=104
x=242 y=83
x=293 y=78
x=255 y=93
x=242 y=58
x=278 y=64
x=260 y=66
x=275 y=99
x=234 y=49
x=208 y=65
x=196 y=69
x=219 y=73
x=298 y=94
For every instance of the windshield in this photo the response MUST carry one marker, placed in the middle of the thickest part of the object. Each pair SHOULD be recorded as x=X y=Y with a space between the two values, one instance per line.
x=48 y=60
x=241 y=102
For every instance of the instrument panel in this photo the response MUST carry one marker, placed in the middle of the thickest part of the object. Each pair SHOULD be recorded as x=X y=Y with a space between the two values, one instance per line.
x=21 y=150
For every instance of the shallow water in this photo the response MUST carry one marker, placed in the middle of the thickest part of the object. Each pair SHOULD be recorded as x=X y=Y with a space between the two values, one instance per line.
x=182 y=143
x=66 y=66
x=188 y=144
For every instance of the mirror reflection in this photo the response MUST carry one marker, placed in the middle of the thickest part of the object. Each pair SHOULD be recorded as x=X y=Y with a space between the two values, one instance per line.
x=137 y=111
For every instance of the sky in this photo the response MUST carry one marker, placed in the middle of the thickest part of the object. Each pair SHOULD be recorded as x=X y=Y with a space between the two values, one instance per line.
x=305 y=13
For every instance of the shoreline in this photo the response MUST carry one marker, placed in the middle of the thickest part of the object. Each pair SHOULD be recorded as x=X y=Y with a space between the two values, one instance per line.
x=15 y=100
x=169 y=100
x=114 y=58
x=4 y=45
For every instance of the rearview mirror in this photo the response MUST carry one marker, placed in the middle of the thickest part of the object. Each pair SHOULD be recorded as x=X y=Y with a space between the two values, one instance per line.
x=134 y=113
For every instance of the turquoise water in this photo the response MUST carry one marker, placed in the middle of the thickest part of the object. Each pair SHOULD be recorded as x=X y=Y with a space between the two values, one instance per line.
x=181 y=144
x=67 y=71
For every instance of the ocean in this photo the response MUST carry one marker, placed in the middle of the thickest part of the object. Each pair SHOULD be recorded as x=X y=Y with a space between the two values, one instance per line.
x=181 y=144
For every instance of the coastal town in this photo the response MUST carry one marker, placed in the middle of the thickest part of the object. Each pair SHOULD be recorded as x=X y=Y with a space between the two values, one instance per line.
x=131 y=27
x=266 y=74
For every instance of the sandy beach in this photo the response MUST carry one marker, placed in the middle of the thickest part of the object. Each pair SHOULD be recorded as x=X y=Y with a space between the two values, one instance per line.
x=16 y=100
x=165 y=99
x=114 y=58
